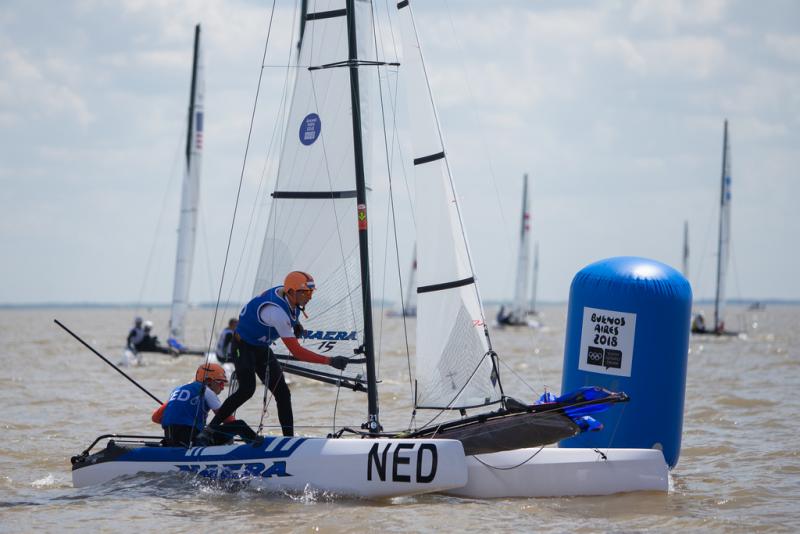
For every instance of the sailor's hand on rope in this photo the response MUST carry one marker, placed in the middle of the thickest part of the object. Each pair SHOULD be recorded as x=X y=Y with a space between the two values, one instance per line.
x=298 y=330
x=339 y=362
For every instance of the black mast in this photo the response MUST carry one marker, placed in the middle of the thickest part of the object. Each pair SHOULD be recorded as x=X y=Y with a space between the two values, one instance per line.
x=373 y=423
x=191 y=95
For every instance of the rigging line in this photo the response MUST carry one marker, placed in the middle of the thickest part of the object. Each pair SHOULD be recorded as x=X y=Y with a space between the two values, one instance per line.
x=395 y=100
x=394 y=215
x=519 y=377
x=153 y=242
x=276 y=133
x=528 y=459
x=336 y=402
x=458 y=393
x=487 y=153
x=236 y=204
x=450 y=176
x=265 y=400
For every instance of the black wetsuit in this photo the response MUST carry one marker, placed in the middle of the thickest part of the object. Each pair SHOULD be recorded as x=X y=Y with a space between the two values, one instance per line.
x=249 y=361
x=183 y=436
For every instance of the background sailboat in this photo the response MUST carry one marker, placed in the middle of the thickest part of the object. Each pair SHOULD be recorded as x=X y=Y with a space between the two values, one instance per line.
x=409 y=305
x=517 y=313
x=187 y=225
x=723 y=249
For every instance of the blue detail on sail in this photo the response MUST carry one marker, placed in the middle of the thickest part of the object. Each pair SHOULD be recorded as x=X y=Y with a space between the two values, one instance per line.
x=310 y=128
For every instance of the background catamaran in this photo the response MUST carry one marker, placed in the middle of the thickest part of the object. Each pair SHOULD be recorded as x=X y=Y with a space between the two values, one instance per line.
x=187 y=225
x=319 y=222
x=723 y=249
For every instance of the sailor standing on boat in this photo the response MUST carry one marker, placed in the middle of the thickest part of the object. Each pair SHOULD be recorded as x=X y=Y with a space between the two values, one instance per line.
x=225 y=341
x=183 y=416
x=269 y=316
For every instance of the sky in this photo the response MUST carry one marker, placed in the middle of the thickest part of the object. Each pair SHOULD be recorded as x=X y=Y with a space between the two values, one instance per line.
x=615 y=109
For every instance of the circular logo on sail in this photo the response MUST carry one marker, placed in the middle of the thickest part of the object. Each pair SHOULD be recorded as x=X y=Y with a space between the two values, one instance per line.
x=310 y=128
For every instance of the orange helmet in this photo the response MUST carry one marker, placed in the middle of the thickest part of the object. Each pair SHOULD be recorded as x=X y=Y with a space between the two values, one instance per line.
x=298 y=280
x=210 y=371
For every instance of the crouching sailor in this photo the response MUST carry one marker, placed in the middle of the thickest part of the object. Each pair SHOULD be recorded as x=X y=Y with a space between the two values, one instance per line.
x=183 y=416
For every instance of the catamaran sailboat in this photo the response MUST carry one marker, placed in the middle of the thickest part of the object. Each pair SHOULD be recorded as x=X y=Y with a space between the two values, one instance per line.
x=699 y=325
x=187 y=226
x=497 y=448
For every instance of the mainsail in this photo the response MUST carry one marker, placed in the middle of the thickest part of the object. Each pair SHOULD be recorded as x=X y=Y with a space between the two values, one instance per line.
x=318 y=218
x=190 y=197
x=723 y=246
x=455 y=367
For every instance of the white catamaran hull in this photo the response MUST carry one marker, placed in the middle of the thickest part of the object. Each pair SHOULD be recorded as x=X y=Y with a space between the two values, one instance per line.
x=372 y=468
x=553 y=472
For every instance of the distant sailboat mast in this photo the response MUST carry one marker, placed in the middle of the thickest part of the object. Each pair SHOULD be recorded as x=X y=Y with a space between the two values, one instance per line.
x=535 y=277
x=187 y=227
x=723 y=246
x=523 y=260
x=686 y=249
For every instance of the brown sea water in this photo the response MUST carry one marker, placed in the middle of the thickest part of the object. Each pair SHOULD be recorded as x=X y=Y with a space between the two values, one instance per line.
x=739 y=469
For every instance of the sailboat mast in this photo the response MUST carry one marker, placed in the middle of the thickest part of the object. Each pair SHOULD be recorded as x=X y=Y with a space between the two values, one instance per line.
x=187 y=225
x=373 y=423
x=722 y=243
x=521 y=284
x=535 y=276
x=686 y=249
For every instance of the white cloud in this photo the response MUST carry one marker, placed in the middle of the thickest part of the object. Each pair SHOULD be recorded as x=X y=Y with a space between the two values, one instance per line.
x=671 y=15
x=785 y=46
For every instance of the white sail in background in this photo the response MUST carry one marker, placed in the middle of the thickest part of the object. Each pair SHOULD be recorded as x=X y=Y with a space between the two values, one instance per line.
x=723 y=249
x=190 y=198
x=453 y=366
x=519 y=308
x=314 y=218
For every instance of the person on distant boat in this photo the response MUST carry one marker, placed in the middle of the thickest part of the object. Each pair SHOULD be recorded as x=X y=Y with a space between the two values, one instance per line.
x=503 y=317
x=267 y=317
x=136 y=335
x=149 y=342
x=699 y=324
x=183 y=416
x=225 y=341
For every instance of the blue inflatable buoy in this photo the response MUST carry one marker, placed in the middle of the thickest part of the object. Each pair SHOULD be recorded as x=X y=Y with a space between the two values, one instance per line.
x=628 y=330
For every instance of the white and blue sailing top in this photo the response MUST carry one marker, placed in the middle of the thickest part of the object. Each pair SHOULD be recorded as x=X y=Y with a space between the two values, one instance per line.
x=182 y=406
x=267 y=318
x=224 y=343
